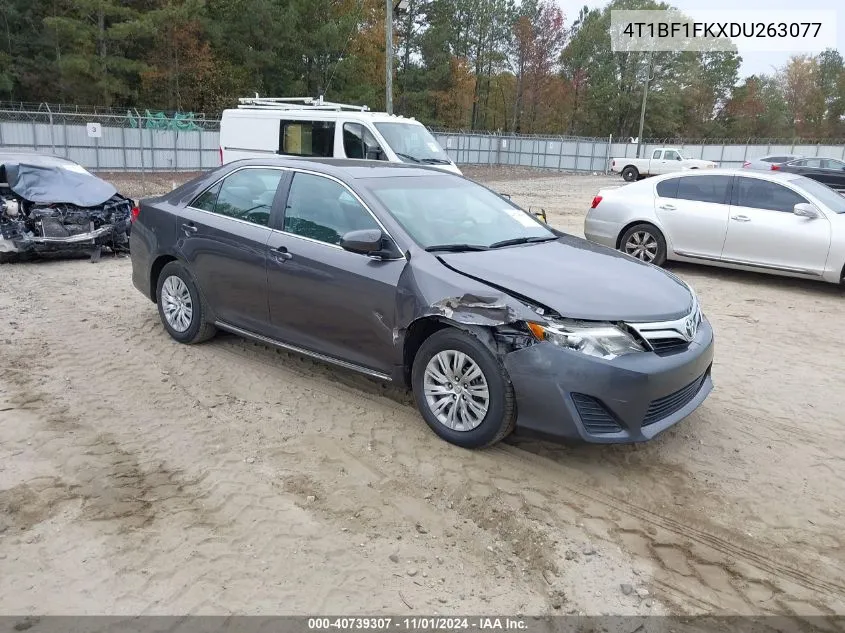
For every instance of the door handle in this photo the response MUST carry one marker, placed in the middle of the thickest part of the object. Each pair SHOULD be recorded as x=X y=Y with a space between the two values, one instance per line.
x=189 y=228
x=741 y=218
x=281 y=254
x=668 y=207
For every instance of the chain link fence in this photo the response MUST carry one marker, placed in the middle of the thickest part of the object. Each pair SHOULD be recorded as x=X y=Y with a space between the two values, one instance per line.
x=593 y=155
x=110 y=140
x=133 y=141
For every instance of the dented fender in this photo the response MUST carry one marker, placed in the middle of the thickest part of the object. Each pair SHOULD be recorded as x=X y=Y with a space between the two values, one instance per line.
x=433 y=292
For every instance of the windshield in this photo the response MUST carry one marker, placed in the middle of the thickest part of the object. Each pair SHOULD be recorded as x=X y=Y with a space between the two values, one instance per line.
x=413 y=143
x=827 y=196
x=448 y=212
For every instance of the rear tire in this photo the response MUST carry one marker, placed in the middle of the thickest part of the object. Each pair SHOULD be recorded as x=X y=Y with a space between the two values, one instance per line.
x=181 y=306
x=483 y=370
x=645 y=242
x=630 y=174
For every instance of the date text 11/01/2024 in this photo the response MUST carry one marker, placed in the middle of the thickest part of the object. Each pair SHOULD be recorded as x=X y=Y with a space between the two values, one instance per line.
x=417 y=623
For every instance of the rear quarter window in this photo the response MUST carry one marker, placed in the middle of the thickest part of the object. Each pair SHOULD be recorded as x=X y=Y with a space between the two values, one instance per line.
x=668 y=188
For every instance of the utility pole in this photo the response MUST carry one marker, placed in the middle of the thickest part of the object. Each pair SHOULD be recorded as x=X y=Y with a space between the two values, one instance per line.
x=388 y=58
x=645 y=96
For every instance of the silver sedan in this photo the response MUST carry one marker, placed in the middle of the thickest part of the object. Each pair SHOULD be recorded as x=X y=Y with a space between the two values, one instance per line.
x=773 y=222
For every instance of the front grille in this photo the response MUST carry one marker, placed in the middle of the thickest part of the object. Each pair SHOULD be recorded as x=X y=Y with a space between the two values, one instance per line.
x=666 y=406
x=595 y=416
x=668 y=345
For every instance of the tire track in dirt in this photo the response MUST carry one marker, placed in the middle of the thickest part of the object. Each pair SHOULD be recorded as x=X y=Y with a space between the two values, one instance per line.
x=354 y=444
x=100 y=380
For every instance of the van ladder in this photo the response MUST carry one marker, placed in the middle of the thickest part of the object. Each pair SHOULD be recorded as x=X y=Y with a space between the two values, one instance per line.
x=295 y=103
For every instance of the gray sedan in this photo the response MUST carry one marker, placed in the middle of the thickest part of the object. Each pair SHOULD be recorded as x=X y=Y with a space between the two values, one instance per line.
x=495 y=320
x=770 y=162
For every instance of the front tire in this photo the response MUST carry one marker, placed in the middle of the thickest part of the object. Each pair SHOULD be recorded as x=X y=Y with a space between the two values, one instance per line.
x=630 y=174
x=462 y=391
x=645 y=242
x=181 y=307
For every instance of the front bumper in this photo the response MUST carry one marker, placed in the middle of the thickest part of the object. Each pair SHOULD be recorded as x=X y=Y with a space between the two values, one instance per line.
x=567 y=395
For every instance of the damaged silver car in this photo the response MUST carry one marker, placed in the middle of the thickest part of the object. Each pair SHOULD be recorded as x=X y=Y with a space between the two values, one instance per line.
x=495 y=320
x=50 y=204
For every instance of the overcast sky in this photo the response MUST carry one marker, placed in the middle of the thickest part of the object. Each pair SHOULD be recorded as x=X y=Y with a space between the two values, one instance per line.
x=752 y=62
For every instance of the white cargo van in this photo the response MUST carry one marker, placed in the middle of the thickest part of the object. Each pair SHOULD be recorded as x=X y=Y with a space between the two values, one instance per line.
x=313 y=127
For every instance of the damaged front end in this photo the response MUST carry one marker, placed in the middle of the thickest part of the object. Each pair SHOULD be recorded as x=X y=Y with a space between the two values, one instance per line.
x=50 y=210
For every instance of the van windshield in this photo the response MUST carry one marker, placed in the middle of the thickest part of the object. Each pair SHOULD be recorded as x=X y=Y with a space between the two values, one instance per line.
x=413 y=143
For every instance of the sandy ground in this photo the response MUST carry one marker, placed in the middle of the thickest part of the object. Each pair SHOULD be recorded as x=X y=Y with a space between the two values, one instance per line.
x=140 y=476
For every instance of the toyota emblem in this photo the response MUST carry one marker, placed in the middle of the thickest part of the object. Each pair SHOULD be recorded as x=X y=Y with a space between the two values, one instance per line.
x=689 y=328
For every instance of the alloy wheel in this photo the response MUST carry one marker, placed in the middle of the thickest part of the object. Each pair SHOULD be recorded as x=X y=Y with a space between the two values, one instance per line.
x=176 y=303
x=456 y=390
x=642 y=245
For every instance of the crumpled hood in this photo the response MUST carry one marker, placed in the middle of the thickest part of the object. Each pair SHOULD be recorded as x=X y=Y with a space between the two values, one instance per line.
x=54 y=185
x=579 y=279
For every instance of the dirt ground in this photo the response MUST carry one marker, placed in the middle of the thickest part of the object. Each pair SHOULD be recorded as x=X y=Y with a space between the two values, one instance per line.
x=141 y=476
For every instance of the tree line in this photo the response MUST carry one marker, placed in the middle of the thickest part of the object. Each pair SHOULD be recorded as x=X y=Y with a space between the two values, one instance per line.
x=500 y=65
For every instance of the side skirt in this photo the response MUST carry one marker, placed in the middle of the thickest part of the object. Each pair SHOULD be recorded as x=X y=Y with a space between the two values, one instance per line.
x=299 y=350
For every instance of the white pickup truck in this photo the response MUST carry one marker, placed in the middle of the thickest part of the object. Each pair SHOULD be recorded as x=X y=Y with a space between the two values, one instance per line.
x=662 y=161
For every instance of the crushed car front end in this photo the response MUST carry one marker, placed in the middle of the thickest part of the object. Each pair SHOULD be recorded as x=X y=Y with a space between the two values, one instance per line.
x=49 y=208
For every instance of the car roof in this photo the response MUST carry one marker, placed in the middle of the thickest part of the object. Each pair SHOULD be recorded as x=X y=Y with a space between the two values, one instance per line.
x=317 y=115
x=349 y=168
x=36 y=158
x=767 y=175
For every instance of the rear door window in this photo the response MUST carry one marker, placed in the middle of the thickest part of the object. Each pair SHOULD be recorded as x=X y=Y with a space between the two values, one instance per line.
x=306 y=138
x=657 y=154
x=762 y=194
x=246 y=194
x=704 y=188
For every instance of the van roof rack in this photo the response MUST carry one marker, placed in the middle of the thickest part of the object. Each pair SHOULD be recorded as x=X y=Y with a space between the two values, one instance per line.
x=296 y=103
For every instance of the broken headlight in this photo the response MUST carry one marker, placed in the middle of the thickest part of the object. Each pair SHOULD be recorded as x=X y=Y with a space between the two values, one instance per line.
x=602 y=340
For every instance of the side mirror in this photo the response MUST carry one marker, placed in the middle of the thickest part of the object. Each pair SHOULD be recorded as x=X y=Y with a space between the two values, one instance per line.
x=375 y=154
x=370 y=242
x=806 y=210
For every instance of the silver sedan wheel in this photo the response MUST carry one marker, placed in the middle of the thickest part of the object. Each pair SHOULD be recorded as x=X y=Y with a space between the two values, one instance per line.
x=176 y=303
x=642 y=245
x=456 y=390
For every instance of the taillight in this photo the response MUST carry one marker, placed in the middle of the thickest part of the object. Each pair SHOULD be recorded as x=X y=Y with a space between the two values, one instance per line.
x=221 y=155
x=612 y=164
x=746 y=164
x=775 y=167
x=135 y=213
x=596 y=201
